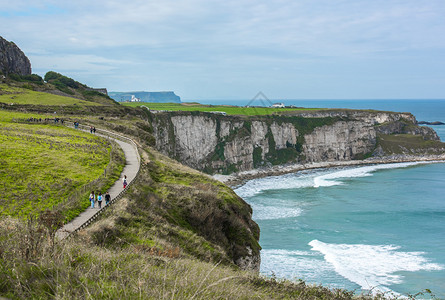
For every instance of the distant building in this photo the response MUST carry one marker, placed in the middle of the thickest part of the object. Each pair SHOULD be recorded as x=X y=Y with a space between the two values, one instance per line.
x=134 y=99
x=278 y=105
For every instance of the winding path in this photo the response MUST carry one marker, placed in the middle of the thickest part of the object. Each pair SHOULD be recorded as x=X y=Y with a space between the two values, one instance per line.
x=131 y=169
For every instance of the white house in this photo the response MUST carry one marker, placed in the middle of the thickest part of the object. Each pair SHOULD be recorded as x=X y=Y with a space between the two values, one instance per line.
x=278 y=105
x=134 y=99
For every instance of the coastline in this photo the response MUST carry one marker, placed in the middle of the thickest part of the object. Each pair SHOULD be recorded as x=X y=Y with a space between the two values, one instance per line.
x=240 y=178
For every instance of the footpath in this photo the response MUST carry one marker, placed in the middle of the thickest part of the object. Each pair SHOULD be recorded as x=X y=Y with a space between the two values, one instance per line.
x=131 y=169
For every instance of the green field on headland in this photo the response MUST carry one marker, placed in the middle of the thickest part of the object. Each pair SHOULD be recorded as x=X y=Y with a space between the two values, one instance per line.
x=228 y=109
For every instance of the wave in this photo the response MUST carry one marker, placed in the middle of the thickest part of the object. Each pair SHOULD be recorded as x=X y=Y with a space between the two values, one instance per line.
x=372 y=266
x=332 y=178
x=266 y=212
x=282 y=182
x=313 y=178
x=294 y=264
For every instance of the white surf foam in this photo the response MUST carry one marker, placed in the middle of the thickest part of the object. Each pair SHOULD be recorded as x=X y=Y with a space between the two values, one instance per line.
x=331 y=178
x=372 y=266
x=312 y=178
x=283 y=182
x=294 y=265
x=266 y=212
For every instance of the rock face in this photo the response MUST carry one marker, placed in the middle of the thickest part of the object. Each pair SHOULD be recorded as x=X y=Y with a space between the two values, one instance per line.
x=339 y=141
x=226 y=144
x=12 y=59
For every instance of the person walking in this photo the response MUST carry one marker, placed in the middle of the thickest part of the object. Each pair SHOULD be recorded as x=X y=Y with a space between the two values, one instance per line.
x=92 y=198
x=99 y=200
x=91 y=129
x=107 y=198
x=94 y=130
x=124 y=181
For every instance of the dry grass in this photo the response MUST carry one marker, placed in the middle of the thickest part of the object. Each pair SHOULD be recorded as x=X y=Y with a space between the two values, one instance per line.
x=76 y=270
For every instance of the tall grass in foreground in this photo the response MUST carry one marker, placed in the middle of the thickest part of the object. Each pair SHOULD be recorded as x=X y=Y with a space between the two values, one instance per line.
x=31 y=267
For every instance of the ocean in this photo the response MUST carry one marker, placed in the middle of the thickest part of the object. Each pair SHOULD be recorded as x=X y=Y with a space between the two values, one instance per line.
x=362 y=228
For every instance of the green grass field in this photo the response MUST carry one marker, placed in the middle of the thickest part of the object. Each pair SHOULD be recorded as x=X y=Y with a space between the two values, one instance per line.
x=17 y=95
x=41 y=165
x=230 y=110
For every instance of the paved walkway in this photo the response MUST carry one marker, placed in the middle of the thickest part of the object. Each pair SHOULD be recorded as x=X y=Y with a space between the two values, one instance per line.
x=131 y=168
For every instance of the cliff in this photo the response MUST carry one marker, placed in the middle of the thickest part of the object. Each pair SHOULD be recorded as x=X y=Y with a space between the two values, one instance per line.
x=226 y=144
x=146 y=96
x=12 y=59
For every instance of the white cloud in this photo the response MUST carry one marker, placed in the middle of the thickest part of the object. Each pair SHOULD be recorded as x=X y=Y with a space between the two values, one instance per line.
x=227 y=39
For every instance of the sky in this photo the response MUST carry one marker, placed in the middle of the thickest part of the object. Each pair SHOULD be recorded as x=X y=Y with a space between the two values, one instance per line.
x=233 y=49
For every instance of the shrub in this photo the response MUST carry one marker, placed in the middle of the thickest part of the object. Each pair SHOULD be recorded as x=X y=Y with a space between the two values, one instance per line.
x=33 y=78
x=62 y=82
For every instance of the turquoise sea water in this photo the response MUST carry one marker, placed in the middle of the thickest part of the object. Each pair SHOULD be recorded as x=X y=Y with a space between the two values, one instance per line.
x=378 y=227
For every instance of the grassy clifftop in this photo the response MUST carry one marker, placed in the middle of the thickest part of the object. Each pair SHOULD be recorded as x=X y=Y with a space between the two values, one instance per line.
x=228 y=109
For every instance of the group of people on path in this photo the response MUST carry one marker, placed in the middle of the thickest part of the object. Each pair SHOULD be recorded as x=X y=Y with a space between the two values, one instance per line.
x=46 y=120
x=99 y=198
x=92 y=129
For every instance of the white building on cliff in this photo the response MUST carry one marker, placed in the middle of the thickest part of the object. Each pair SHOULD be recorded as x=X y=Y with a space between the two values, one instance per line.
x=134 y=99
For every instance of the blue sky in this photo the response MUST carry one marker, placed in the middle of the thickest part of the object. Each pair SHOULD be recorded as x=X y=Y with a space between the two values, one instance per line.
x=204 y=49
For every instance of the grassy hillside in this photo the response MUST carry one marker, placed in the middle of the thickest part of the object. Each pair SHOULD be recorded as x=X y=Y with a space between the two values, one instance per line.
x=55 y=90
x=19 y=95
x=45 y=166
x=230 y=110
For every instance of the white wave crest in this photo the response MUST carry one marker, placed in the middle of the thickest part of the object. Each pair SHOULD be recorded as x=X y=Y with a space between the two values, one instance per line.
x=314 y=178
x=266 y=212
x=283 y=182
x=330 y=179
x=372 y=266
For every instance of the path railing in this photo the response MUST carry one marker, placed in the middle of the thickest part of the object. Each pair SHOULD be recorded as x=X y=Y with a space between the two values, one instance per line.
x=111 y=135
x=104 y=133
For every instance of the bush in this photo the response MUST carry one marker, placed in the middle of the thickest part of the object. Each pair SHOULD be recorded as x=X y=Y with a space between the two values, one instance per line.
x=51 y=75
x=62 y=82
x=15 y=77
x=33 y=78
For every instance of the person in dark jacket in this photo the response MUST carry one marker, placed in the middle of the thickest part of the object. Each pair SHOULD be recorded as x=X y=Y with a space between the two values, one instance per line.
x=107 y=198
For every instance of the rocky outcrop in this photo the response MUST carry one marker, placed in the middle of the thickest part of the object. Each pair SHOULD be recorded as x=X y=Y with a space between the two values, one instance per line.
x=402 y=127
x=12 y=59
x=227 y=144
